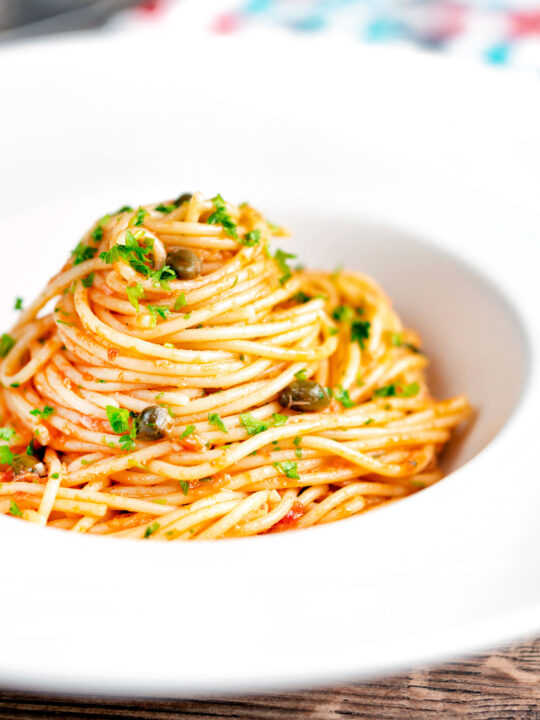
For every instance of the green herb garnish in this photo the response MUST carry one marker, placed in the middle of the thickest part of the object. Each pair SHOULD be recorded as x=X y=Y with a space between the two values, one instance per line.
x=222 y=217
x=288 y=468
x=214 y=419
x=252 y=425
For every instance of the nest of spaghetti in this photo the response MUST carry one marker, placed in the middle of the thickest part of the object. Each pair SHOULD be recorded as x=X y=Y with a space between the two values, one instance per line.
x=188 y=383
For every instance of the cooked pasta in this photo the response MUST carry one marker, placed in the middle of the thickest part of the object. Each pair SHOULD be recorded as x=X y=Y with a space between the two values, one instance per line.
x=187 y=383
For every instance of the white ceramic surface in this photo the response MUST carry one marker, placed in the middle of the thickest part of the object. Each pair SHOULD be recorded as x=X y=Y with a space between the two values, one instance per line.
x=421 y=171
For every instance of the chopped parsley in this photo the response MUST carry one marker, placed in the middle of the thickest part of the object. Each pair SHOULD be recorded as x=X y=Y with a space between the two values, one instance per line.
x=14 y=509
x=15 y=385
x=7 y=433
x=123 y=209
x=185 y=486
x=45 y=413
x=222 y=217
x=180 y=302
x=298 y=450
x=300 y=375
x=301 y=297
x=281 y=258
x=393 y=390
x=55 y=476
x=155 y=310
x=343 y=397
x=134 y=294
x=88 y=281
x=151 y=529
x=343 y=313
x=215 y=420
x=83 y=252
x=166 y=209
x=279 y=420
x=360 y=332
x=396 y=339
x=18 y=304
x=369 y=421
x=97 y=233
x=288 y=468
x=189 y=429
x=251 y=238
x=119 y=421
x=6 y=456
x=252 y=425
x=139 y=217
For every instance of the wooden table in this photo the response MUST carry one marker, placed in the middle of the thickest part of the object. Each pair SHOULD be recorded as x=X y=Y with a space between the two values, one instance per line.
x=503 y=685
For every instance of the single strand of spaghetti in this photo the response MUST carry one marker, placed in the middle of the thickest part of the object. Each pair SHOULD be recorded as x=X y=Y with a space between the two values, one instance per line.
x=235 y=516
x=84 y=460
x=350 y=371
x=109 y=466
x=390 y=439
x=231 y=398
x=310 y=494
x=198 y=241
x=63 y=280
x=84 y=524
x=336 y=498
x=241 y=332
x=94 y=325
x=56 y=474
x=184 y=228
x=346 y=509
x=141 y=479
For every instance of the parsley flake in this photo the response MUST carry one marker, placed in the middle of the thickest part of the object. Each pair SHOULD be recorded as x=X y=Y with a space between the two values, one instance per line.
x=288 y=468
x=185 y=486
x=251 y=238
x=18 y=304
x=215 y=419
x=222 y=217
x=151 y=529
x=6 y=343
x=343 y=397
x=83 y=252
x=134 y=294
x=252 y=425
x=281 y=258
x=189 y=429
x=14 y=509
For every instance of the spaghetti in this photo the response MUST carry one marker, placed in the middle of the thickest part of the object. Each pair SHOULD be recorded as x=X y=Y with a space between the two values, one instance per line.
x=188 y=383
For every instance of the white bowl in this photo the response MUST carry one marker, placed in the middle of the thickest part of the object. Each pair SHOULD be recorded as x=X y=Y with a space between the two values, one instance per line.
x=374 y=159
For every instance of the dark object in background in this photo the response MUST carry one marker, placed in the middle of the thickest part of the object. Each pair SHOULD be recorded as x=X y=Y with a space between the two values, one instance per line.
x=25 y=18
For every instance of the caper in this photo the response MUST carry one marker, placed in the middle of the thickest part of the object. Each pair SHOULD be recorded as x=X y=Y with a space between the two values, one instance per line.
x=185 y=263
x=304 y=396
x=153 y=423
x=24 y=464
x=185 y=197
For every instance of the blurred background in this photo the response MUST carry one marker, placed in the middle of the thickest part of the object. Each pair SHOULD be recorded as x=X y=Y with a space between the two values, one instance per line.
x=498 y=32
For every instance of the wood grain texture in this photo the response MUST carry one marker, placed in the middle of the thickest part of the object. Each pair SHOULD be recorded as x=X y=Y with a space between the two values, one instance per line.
x=500 y=686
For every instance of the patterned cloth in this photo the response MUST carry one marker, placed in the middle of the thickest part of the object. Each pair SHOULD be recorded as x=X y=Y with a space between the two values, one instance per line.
x=498 y=31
